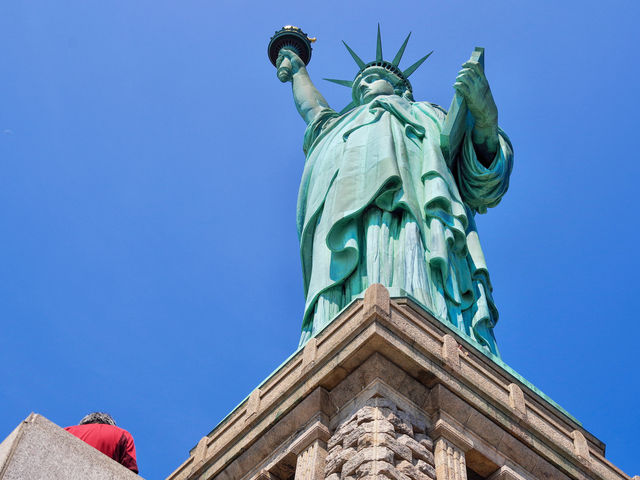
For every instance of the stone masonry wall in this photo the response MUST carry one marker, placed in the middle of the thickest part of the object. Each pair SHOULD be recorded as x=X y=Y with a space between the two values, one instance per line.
x=380 y=441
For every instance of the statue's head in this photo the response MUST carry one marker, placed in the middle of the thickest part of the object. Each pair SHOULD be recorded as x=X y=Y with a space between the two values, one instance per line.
x=377 y=80
x=97 y=417
x=379 y=77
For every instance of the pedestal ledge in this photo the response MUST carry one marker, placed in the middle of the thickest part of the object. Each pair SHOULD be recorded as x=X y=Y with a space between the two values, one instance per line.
x=387 y=391
x=377 y=301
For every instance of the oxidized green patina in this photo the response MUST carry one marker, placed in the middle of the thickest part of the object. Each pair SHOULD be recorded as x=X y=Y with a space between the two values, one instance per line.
x=380 y=203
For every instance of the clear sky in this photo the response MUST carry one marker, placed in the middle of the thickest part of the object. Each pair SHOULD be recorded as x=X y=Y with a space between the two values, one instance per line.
x=149 y=168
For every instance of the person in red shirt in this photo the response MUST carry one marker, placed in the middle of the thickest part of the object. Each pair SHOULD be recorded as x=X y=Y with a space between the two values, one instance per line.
x=99 y=430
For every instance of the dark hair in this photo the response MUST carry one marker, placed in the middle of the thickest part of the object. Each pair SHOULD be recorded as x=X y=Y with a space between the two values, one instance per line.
x=98 y=417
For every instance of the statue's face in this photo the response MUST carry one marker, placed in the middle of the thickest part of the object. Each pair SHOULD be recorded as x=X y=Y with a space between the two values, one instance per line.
x=373 y=84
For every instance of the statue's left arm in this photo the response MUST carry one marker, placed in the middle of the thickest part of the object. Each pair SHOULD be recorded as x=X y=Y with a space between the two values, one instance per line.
x=487 y=156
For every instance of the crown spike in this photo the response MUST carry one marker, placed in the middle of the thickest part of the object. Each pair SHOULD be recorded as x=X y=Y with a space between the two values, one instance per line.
x=344 y=83
x=415 y=66
x=398 y=57
x=379 y=46
x=357 y=59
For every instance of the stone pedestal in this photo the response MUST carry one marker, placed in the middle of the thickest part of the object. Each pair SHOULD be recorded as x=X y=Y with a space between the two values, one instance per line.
x=386 y=391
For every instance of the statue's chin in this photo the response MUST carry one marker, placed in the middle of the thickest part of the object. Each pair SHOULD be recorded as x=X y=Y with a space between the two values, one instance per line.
x=372 y=96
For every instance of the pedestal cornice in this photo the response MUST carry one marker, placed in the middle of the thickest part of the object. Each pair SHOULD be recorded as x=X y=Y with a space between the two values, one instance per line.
x=394 y=348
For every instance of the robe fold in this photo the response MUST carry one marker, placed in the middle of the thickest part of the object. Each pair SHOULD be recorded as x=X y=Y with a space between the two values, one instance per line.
x=378 y=204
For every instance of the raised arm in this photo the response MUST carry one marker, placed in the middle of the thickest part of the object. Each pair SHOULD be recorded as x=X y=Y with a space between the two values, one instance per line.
x=309 y=101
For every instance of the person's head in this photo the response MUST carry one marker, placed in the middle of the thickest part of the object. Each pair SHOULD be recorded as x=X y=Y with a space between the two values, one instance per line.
x=377 y=80
x=98 y=417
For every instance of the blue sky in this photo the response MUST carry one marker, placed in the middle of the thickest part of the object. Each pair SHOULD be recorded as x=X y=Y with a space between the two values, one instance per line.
x=149 y=167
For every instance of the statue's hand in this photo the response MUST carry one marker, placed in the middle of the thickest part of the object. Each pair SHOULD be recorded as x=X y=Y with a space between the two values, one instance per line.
x=474 y=87
x=472 y=84
x=288 y=63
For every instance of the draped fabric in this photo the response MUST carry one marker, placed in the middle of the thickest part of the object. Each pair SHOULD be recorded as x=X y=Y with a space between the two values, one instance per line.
x=378 y=204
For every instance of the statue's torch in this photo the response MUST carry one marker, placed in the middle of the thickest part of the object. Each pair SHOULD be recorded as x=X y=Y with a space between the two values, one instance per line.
x=294 y=39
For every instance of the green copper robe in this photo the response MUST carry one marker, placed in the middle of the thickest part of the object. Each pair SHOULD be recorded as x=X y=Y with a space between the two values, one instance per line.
x=378 y=204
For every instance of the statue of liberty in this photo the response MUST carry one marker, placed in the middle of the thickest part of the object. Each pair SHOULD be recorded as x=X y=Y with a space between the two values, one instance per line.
x=380 y=202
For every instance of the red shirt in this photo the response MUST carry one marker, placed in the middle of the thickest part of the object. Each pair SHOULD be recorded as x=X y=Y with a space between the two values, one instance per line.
x=113 y=441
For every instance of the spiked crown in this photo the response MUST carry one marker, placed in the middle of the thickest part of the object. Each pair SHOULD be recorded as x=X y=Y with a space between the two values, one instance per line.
x=379 y=62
